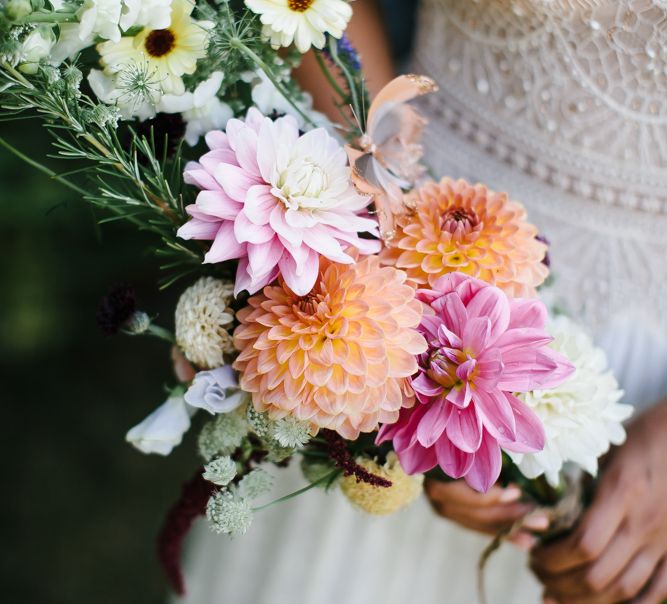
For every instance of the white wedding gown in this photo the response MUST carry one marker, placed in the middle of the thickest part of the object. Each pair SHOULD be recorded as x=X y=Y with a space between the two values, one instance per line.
x=562 y=103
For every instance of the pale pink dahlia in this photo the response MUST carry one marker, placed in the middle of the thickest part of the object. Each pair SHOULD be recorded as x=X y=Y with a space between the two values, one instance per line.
x=482 y=348
x=276 y=200
x=340 y=357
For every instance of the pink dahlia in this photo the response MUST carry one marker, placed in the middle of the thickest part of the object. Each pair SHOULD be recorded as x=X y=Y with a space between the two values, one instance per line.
x=482 y=348
x=276 y=200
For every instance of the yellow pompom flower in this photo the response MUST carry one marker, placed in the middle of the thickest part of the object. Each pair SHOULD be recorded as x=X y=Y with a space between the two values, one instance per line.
x=458 y=227
x=381 y=501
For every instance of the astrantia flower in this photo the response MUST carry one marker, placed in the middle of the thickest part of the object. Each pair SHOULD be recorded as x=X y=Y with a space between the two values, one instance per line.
x=459 y=227
x=203 y=317
x=303 y=22
x=229 y=513
x=582 y=416
x=220 y=471
x=277 y=201
x=169 y=52
x=338 y=357
x=483 y=347
x=381 y=501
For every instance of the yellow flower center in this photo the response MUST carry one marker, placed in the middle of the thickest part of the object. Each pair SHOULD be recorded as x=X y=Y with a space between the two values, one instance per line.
x=160 y=42
x=300 y=6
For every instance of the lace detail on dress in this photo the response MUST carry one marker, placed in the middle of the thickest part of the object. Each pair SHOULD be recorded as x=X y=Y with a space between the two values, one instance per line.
x=564 y=104
x=574 y=90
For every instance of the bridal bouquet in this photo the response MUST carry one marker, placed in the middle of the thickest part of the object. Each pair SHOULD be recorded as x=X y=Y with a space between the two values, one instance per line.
x=340 y=307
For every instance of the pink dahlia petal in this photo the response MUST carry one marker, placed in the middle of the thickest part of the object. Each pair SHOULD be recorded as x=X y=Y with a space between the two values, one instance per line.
x=323 y=243
x=209 y=161
x=198 y=229
x=523 y=337
x=195 y=175
x=496 y=413
x=527 y=312
x=280 y=226
x=451 y=459
x=452 y=311
x=216 y=139
x=533 y=369
x=477 y=334
x=464 y=429
x=259 y=204
x=300 y=278
x=225 y=246
x=417 y=459
x=244 y=143
x=234 y=180
x=264 y=257
x=530 y=435
x=491 y=303
x=485 y=468
x=424 y=385
x=217 y=204
x=246 y=231
x=433 y=423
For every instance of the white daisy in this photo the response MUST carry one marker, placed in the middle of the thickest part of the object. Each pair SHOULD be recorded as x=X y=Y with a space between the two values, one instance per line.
x=302 y=22
x=170 y=52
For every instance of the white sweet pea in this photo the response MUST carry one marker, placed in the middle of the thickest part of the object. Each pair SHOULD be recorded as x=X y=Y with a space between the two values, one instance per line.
x=35 y=48
x=69 y=43
x=153 y=14
x=201 y=109
x=101 y=18
x=267 y=98
x=163 y=429
x=216 y=390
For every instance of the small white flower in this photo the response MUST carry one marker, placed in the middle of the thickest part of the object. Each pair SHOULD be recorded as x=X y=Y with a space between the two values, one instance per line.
x=153 y=14
x=131 y=102
x=222 y=436
x=203 y=318
x=291 y=433
x=302 y=22
x=229 y=514
x=216 y=390
x=582 y=417
x=202 y=110
x=100 y=18
x=163 y=429
x=255 y=484
x=220 y=471
x=35 y=48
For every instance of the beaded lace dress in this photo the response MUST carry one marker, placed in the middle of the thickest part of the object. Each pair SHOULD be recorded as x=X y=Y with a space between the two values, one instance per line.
x=562 y=103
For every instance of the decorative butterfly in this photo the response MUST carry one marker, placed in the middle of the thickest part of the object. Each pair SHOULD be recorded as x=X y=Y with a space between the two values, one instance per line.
x=387 y=157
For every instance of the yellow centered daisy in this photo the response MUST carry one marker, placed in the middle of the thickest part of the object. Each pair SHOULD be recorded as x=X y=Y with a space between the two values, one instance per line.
x=167 y=53
x=302 y=22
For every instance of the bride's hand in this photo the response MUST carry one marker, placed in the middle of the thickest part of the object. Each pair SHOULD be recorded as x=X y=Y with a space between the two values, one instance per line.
x=487 y=513
x=618 y=551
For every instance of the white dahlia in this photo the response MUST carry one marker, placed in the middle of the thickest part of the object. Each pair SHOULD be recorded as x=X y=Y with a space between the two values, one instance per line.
x=582 y=417
x=302 y=22
x=203 y=318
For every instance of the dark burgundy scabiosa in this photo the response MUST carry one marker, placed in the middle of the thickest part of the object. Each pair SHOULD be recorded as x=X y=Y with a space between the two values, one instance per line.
x=546 y=260
x=167 y=131
x=190 y=505
x=116 y=309
x=341 y=456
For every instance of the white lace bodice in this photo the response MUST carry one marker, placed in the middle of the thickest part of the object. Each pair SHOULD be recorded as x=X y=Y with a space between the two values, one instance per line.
x=563 y=103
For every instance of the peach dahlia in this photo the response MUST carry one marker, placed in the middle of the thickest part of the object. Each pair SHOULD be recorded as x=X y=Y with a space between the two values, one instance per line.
x=459 y=227
x=339 y=357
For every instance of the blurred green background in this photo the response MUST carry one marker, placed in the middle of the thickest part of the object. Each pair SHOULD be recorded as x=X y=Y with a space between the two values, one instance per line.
x=82 y=507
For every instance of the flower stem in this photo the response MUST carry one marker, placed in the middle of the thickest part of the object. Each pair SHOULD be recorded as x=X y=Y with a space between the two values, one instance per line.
x=351 y=84
x=255 y=58
x=53 y=17
x=326 y=478
x=161 y=332
x=328 y=75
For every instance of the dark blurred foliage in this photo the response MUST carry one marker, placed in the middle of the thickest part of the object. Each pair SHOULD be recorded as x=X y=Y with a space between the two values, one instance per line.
x=80 y=507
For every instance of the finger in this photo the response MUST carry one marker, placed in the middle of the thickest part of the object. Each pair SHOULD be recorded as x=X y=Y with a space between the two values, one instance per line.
x=626 y=586
x=656 y=590
x=522 y=540
x=459 y=493
x=593 y=534
x=613 y=561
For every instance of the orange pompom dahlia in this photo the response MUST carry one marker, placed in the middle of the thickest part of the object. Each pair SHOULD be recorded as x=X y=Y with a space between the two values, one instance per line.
x=337 y=357
x=455 y=226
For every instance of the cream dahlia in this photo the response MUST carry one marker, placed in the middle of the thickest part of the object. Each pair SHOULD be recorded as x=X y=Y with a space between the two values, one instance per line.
x=303 y=22
x=203 y=318
x=582 y=416
x=338 y=357
x=458 y=227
